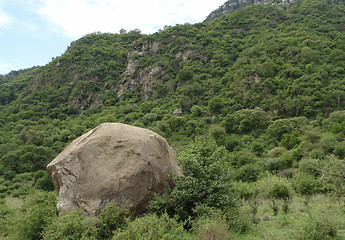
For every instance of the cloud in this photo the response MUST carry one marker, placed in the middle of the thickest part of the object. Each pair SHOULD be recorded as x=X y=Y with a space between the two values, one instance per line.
x=79 y=17
x=5 y=19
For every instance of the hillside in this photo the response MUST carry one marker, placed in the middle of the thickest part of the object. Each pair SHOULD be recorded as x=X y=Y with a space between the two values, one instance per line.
x=263 y=84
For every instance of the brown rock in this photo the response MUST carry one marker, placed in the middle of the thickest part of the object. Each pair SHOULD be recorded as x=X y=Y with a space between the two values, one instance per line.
x=114 y=162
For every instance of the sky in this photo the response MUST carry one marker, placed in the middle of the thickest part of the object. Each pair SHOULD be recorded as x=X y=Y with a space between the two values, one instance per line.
x=32 y=32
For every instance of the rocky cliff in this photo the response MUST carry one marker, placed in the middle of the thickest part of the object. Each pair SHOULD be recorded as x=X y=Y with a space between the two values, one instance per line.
x=233 y=5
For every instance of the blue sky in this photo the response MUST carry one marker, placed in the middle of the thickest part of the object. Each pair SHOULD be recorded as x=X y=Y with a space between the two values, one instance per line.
x=32 y=32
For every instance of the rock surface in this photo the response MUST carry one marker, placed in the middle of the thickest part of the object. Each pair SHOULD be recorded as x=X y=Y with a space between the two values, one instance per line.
x=114 y=162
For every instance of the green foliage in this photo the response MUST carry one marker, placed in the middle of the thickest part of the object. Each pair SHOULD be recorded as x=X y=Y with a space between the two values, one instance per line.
x=317 y=229
x=207 y=182
x=273 y=187
x=248 y=173
x=185 y=73
x=152 y=227
x=110 y=220
x=246 y=120
x=280 y=191
x=305 y=184
x=218 y=134
x=37 y=213
x=71 y=225
x=215 y=105
x=211 y=227
x=43 y=181
x=339 y=149
x=290 y=140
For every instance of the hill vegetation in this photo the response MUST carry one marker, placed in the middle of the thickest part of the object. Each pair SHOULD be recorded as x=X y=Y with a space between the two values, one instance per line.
x=259 y=132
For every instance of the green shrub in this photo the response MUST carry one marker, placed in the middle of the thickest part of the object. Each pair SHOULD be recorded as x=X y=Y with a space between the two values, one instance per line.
x=327 y=142
x=248 y=173
x=309 y=166
x=9 y=175
x=246 y=120
x=206 y=181
x=152 y=227
x=305 y=184
x=275 y=164
x=218 y=134
x=317 y=229
x=71 y=225
x=37 y=213
x=245 y=190
x=339 y=149
x=211 y=227
x=241 y=158
x=280 y=191
x=215 y=105
x=196 y=111
x=232 y=143
x=4 y=213
x=110 y=219
x=290 y=140
x=273 y=187
x=317 y=153
x=257 y=148
x=276 y=152
x=42 y=180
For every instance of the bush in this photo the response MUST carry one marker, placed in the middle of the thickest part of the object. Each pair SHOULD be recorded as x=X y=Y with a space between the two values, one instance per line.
x=309 y=166
x=273 y=187
x=42 y=180
x=218 y=134
x=275 y=164
x=305 y=184
x=245 y=190
x=317 y=229
x=339 y=149
x=206 y=182
x=110 y=219
x=215 y=105
x=212 y=227
x=276 y=152
x=232 y=143
x=196 y=111
x=248 y=173
x=257 y=148
x=71 y=225
x=246 y=120
x=152 y=227
x=290 y=140
x=4 y=213
x=37 y=213
x=280 y=191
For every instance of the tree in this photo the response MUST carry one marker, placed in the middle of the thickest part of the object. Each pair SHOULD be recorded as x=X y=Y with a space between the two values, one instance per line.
x=215 y=105
x=123 y=31
x=206 y=183
x=246 y=120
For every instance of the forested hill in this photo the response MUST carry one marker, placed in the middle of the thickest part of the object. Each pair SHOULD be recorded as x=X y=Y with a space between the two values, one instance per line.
x=263 y=84
x=287 y=60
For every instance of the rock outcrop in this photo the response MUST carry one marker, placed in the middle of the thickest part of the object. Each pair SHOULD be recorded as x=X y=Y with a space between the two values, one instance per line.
x=233 y=5
x=112 y=163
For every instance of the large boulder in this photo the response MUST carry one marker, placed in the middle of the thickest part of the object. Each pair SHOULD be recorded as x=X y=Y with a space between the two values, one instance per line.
x=114 y=162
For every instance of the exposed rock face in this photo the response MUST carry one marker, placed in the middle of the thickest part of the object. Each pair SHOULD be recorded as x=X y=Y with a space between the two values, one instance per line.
x=113 y=162
x=134 y=76
x=233 y=5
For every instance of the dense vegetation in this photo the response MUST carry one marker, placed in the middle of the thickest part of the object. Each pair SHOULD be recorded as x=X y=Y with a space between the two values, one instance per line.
x=262 y=96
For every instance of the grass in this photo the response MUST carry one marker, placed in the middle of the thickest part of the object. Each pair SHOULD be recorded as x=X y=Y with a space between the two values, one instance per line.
x=14 y=203
x=292 y=224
